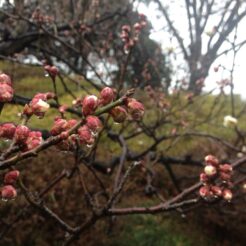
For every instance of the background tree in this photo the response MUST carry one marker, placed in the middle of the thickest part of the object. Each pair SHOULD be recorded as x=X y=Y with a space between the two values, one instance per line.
x=78 y=34
x=204 y=31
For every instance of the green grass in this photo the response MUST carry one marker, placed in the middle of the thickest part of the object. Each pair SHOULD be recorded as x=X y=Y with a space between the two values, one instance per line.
x=149 y=230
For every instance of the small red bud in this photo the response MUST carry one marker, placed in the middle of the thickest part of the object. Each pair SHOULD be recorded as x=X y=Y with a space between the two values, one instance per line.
x=118 y=114
x=5 y=79
x=135 y=108
x=211 y=160
x=53 y=71
x=8 y=192
x=85 y=135
x=11 y=177
x=7 y=130
x=34 y=140
x=27 y=110
x=59 y=126
x=71 y=123
x=225 y=176
x=93 y=123
x=62 y=109
x=21 y=133
x=89 y=105
x=216 y=190
x=6 y=90
x=204 y=191
x=106 y=95
x=227 y=168
x=64 y=135
x=204 y=178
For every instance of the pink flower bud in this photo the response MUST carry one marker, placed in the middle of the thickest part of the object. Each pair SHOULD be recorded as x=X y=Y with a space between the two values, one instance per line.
x=204 y=178
x=27 y=110
x=11 y=177
x=225 y=176
x=118 y=114
x=227 y=194
x=7 y=130
x=204 y=191
x=8 y=192
x=135 y=108
x=62 y=109
x=106 y=95
x=93 y=123
x=5 y=79
x=85 y=135
x=59 y=126
x=210 y=170
x=34 y=140
x=216 y=191
x=89 y=105
x=71 y=123
x=227 y=168
x=21 y=133
x=39 y=105
x=64 y=135
x=6 y=92
x=211 y=160
x=51 y=70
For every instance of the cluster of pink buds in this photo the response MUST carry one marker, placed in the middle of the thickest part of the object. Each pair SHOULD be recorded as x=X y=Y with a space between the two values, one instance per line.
x=6 y=89
x=61 y=127
x=52 y=71
x=119 y=114
x=130 y=39
x=22 y=135
x=216 y=180
x=38 y=106
x=86 y=133
x=8 y=191
x=90 y=103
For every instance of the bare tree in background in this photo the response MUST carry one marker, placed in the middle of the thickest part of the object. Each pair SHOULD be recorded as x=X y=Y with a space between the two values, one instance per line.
x=200 y=47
